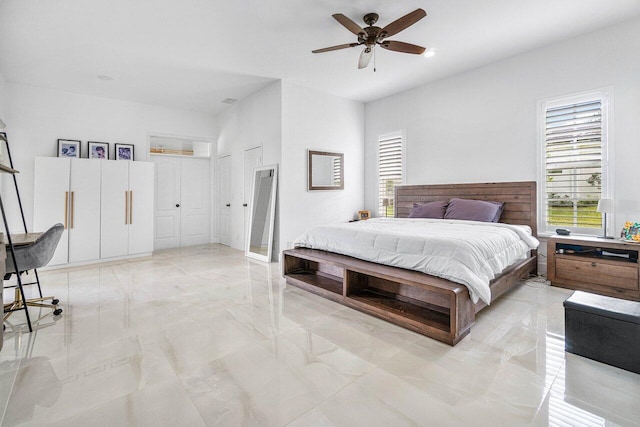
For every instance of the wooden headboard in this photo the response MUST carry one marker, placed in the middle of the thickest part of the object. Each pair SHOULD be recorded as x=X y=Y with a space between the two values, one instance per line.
x=520 y=198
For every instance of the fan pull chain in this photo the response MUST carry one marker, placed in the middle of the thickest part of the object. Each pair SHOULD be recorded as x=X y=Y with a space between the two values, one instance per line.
x=374 y=60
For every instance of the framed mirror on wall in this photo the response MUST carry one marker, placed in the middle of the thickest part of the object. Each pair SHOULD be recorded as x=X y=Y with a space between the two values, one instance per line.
x=259 y=241
x=326 y=171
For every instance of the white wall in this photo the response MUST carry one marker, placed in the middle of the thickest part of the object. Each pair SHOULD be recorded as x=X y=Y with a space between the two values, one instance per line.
x=481 y=126
x=252 y=122
x=287 y=120
x=3 y=98
x=3 y=116
x=37 y=117
x=323 y=122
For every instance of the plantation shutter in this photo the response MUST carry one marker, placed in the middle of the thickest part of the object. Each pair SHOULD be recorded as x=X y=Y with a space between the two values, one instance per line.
x=573 y=164
x=337 y=171
x=389 y=172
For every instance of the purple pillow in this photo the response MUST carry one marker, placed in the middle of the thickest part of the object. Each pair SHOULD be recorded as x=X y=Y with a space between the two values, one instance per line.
x=474 y=210
x=429 y=210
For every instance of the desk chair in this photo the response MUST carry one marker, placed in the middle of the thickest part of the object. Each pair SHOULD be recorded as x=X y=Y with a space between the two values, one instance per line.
x=31 y=257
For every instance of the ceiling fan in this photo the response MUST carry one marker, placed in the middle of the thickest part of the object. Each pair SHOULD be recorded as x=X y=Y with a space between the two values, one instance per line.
x=371 y=36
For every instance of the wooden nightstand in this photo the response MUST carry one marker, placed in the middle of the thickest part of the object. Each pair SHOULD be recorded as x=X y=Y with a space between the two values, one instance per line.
x=601 y=266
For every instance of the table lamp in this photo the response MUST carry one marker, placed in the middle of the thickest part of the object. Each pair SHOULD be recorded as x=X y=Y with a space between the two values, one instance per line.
x=605 y=206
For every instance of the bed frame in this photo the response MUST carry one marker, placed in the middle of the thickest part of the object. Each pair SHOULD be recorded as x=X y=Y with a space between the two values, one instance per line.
x=429 y=305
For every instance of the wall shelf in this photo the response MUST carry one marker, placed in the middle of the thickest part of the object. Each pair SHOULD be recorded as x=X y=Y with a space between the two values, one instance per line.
x=179 y=146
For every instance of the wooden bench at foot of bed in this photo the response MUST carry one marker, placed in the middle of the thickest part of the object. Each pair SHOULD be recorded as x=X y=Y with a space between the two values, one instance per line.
x=429 y=305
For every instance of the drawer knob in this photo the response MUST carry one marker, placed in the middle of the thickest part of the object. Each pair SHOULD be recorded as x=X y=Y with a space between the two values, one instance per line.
x=593 y=264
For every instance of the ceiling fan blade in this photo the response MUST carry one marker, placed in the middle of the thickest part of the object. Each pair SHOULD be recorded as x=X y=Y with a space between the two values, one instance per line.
x=365 y=57
x=348 y=24
x=402 y=47
x=401 y=23
x=329 y=49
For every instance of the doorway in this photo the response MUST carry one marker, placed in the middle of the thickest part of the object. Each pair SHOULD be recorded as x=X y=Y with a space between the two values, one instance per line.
x=182 y=201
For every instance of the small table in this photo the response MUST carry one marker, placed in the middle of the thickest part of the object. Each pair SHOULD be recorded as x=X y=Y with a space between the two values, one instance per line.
x=587 y=263
x=22 y=239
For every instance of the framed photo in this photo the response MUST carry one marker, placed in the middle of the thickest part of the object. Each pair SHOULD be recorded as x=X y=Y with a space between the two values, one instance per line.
x=69 y=148
x=631 y=232
x=124 y=151
x=362 y=215
x=98 y=150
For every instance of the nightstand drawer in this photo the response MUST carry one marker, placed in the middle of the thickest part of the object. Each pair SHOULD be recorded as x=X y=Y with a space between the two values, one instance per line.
x=598 y=273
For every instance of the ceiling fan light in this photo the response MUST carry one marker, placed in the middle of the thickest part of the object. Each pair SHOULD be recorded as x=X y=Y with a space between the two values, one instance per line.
x=365 y=57
x=429 y=53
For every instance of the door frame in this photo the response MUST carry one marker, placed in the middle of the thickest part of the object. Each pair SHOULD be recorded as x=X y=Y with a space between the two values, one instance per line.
x=219 y=200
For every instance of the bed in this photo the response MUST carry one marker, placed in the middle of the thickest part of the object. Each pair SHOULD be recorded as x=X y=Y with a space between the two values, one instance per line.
x=433 y=306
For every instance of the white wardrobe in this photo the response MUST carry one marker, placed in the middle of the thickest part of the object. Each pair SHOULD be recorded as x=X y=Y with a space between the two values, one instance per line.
x=106 y=207
x=126 y=209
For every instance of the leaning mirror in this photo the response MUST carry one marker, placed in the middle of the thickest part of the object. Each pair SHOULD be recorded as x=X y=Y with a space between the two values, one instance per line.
x=326 y=170
x=262 y=213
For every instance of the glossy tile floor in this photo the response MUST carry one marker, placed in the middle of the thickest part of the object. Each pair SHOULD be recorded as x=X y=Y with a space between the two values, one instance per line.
x=203 y=336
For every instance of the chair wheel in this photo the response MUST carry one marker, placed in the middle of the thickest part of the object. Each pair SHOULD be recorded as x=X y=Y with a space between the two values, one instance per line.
x=57 y=311
x=55 y=301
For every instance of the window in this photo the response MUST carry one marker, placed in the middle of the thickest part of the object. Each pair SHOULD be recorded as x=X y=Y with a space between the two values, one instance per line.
x=574 y=165
x=337 y=171
x=390 y=171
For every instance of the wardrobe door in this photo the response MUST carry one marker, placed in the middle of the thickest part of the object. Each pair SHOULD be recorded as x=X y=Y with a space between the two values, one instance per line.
x=114 y=217
x=140 y=207
x=51 y=201
x=84 y=210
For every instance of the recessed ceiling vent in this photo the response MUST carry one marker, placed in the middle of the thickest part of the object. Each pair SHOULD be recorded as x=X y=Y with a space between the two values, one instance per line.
x=229 y=100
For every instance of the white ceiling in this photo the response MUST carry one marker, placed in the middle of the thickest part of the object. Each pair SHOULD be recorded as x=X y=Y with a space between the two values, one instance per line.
x=192 y=54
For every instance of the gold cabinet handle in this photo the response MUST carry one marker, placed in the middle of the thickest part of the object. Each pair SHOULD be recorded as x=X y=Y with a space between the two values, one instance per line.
x=72 y=208
x=66 y=208
x=126 y=207
x=131 y=207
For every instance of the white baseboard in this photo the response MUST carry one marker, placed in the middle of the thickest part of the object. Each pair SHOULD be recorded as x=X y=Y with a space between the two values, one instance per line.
x=95 y=261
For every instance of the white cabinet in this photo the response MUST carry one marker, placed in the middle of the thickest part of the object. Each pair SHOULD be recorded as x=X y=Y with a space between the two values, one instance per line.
x=67 y=191
x=140 y=207
x=127 y=209
x=105 y=206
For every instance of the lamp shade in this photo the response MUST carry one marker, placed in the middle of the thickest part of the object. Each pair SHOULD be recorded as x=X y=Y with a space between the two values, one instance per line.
x=605 y=206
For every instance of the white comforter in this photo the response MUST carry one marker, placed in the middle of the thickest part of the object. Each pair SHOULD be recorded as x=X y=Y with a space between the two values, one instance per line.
x=466 y=252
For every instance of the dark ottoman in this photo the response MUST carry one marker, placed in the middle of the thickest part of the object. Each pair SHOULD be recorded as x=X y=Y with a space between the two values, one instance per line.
x=604 y=329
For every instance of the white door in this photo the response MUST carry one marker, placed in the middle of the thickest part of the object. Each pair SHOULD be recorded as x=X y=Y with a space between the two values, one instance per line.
x=140 y=207
x=167 y=202
x=84 y=210
x=51 y=201
x=114 y=209
x=252 y=159
x=182 y=213
x=224 y=178
x=194 y=202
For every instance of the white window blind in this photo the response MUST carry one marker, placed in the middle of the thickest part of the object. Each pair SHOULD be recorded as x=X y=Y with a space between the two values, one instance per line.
x=390 y=172
x=573 y=169
x=337 y=169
